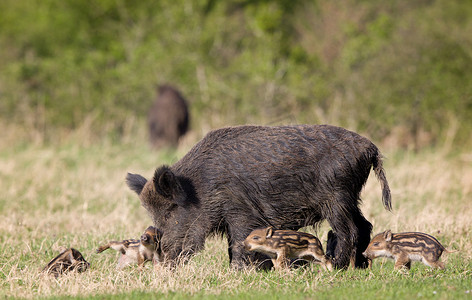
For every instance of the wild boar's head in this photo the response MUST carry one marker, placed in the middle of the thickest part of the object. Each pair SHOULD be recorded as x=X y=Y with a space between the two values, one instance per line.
x=159 y=196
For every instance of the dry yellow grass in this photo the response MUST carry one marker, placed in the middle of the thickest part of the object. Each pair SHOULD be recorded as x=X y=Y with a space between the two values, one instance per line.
x=431 y=193
x=74 y=196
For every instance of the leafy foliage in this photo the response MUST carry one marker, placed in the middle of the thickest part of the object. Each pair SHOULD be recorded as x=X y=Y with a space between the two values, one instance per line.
x=399 y=69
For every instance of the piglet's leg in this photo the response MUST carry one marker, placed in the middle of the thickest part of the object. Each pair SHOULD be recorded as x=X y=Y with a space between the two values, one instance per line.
x=408 y=265
x=369 y=263
x=328 y=264
x=316 y=255
x=274 y=262
x=141 y=261
x=123 y=262
x=402 y=261
x=281 y=261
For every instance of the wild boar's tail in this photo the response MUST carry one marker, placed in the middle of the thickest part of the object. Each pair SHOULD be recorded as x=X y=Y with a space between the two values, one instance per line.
x=380 y=173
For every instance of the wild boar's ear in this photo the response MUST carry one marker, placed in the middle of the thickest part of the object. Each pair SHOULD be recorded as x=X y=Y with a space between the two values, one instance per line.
x=269 y=232
x=135 y=182
x=168 y=185
x=388 y=235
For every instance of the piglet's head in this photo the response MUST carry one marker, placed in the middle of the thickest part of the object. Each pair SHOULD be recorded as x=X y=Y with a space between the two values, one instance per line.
x=379 y=245
x=258 y=238
x=151 y=237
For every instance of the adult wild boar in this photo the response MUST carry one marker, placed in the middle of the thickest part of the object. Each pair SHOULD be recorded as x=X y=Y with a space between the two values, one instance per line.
x=237 y=179
x=168 y=118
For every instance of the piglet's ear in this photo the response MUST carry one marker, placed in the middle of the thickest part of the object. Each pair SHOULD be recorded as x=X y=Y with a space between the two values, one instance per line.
x=388 y=235
x=269 y=232
x=168 y=185
x=70 y=257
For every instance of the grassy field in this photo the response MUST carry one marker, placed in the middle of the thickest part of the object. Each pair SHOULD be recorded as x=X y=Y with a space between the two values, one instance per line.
x=75 y=196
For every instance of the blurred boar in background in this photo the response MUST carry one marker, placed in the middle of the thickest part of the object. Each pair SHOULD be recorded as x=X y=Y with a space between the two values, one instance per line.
x=237 y=179
x=168 y=118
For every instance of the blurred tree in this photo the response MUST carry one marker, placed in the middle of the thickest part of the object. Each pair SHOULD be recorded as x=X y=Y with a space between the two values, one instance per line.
x=394 y=70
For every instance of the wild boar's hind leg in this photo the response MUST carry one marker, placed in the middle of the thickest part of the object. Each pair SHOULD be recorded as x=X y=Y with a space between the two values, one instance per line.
x=364 y=229
x=344 y=246
x=352 y=230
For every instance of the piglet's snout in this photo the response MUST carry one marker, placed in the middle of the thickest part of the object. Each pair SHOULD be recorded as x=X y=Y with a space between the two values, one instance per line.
x=246 y=245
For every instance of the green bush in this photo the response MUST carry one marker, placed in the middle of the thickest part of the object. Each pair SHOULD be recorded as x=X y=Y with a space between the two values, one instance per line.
x=370 y=66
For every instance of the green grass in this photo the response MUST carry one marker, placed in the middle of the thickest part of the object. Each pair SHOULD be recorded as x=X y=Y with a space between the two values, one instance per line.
x=75 y=196
x=378 y=283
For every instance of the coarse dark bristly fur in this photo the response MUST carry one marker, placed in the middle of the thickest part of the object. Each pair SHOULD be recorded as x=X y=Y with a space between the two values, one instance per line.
x=331 y=245
x=237 y=179
x=168 y=118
